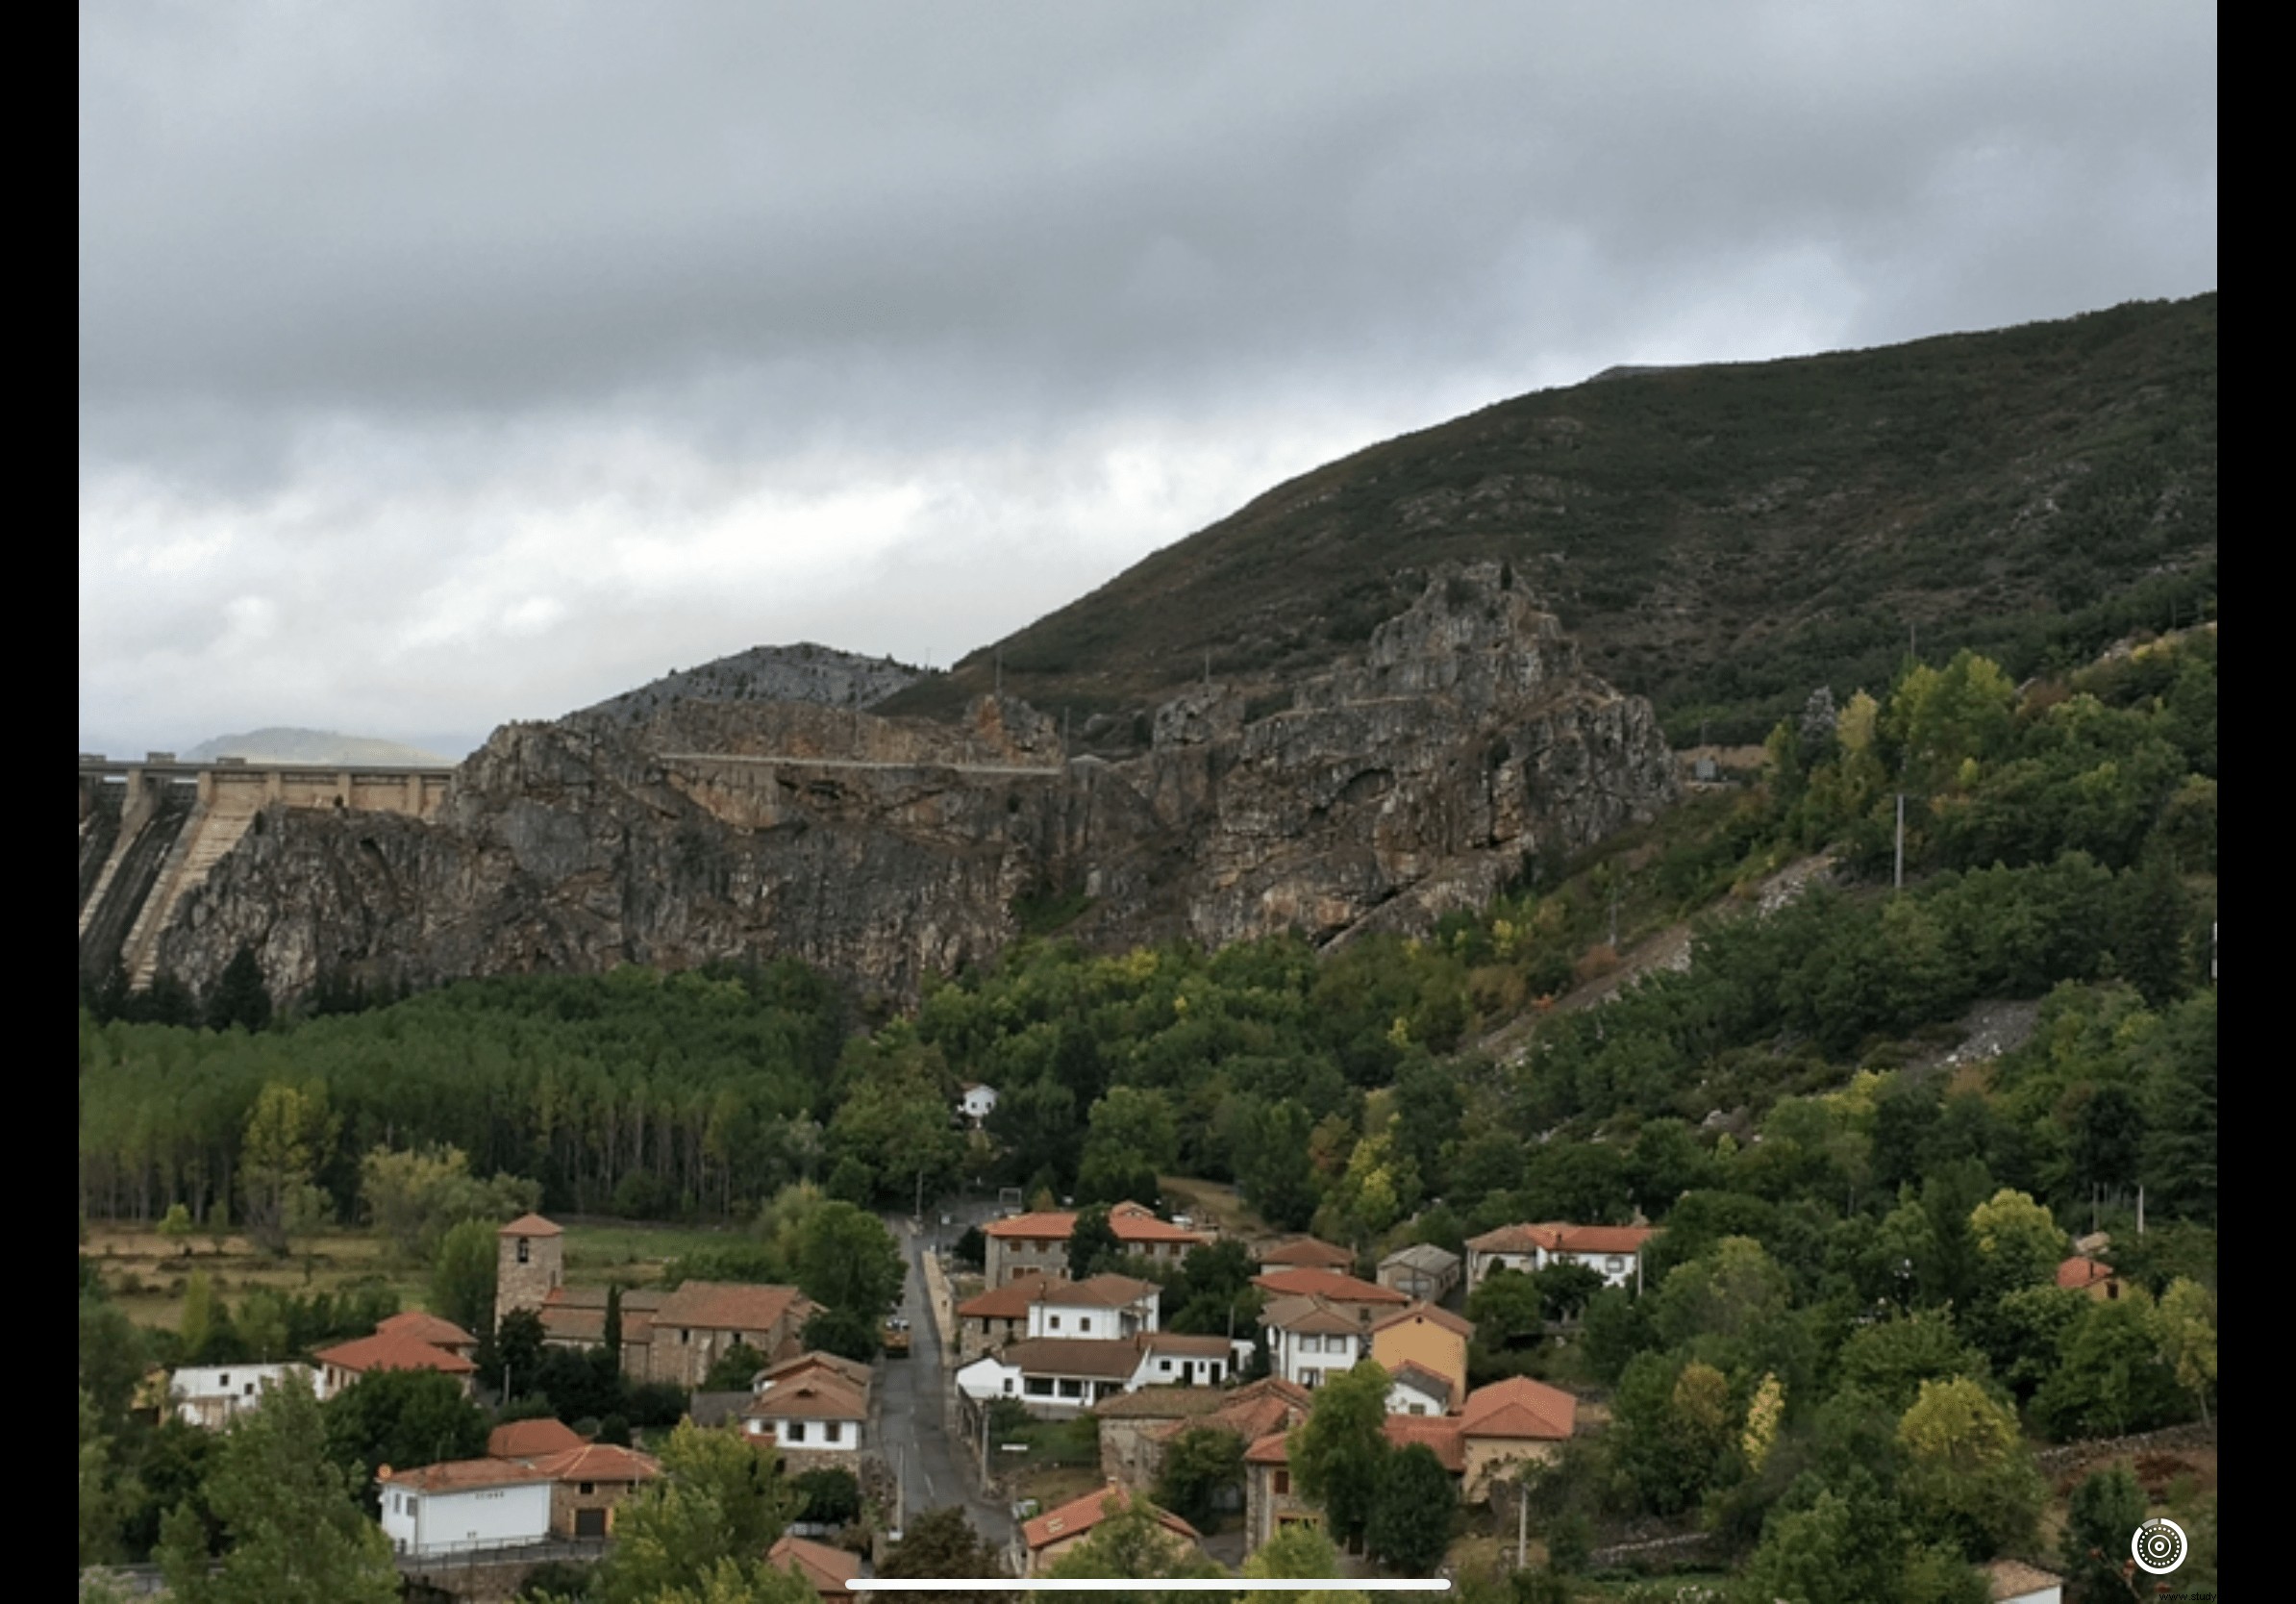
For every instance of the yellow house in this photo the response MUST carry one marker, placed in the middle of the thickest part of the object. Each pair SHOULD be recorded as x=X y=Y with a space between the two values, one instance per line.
x=1433 y=1339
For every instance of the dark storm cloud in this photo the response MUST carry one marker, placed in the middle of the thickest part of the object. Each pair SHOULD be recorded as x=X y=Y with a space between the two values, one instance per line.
x=417 y=273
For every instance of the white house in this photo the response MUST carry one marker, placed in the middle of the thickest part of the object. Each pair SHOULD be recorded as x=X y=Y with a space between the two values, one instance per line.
x=976 y=1102
x=465 y=1504
x=1312 y=1338
x=1058 y=1377
x=814 y=1413
x=211 y=1395
x=1103 y=1306
x=1415 y=1389
x=1614 y=1252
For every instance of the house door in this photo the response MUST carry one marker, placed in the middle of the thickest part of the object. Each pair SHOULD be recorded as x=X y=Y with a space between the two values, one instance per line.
x=1188 y=1373
x=589 y=1523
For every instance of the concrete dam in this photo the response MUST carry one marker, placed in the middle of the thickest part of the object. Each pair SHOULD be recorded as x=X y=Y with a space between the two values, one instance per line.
x=150 y=831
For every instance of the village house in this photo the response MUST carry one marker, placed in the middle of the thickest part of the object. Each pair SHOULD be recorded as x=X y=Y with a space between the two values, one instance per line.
x=827 y=1570
x=212 y=1396
x=590 y=1482
x=1131 y=1448
x=346 y=1361
x=2091 y=1277
x=1614 y=1252
x=1331 y=1285
x=1309 y=1337
x=975 y=1103
x=1304 y=1253
x=465 y=1504
x=575 y=1317
x=702 y=1320
x=1422 y=1271
x=1059 y=1377
x=1038 y=1243
x=506 y=1500
x=1501 y=1426
x=1247 y=1413
x=1053 y=1534
x=1432 y=1341
x=817 y=1419
x=532 y=1440
x=429 y=1328
x=1053 y=1306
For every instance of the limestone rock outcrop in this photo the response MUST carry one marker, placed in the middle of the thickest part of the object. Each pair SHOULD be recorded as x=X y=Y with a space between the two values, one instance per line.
x=1391 y=788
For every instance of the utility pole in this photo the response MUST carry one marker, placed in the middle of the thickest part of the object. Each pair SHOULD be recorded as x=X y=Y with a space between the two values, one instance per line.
x=1900 y=882
x=983 y=1449
x=918 y=1213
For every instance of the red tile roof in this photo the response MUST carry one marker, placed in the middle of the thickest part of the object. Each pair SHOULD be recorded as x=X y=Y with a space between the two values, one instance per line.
x=1134 y=1222
x=1214 y=1346
x=2077 y=1276
x=1177 y=1407
x=1099 y=1292
x=1270 y=1404
x=1307 y=1253
x=525 y=1439
x=392 y=1353
x=1331 y=1284
x=1011 y=1301
x=1105 y=1359
x=458 y=1475
x=529 y=1225
x=826 y=1569
x=1557 y=1237
x=1431 y=1314
x=1442 y=1433
x=1311 y=1317
x=599 y=1461
x=1045 y=1227
x=1521 y=1408
x=426 y=1328
x=850 y=1372
x=813 y=1397
x=731 y=1306
x=1081 y=1515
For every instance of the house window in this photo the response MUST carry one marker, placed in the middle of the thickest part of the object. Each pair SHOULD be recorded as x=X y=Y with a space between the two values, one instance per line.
x=1309 y=1378
x=587 y=1487
x=793 y=1431
x=1417 y=1408
x=1310 y=1344
x=832 y=1432
x=1165 y=1364
x=686 y=1336
x=224 y=1379
x=522 y=1250
x=1282 y=1483
x=1053 y=1321
x=1615 y=1263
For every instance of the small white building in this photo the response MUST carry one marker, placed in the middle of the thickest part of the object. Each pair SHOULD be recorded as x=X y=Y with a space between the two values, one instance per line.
x=1057 y=1377
x=976 y=1102
x=211 y=1396
x=1103 y=1306
x=1312 y=1338
x=1415 y=1389
x=464 y=1504
x=1614 y=1252
x=814 y=1413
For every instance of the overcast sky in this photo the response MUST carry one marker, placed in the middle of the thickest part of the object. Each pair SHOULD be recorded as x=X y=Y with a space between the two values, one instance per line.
x=447 y=364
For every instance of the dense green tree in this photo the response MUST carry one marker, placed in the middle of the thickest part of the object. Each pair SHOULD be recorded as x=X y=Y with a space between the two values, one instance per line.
x=2110 y=1378
x=940 y=1543
x=1338 y=1453
x=733 y=1370
x=847 y=1260
x=1507 y=1310
x=296 y=1535
x=2186 y=1322
x=843 y=1333
x=1968 y=1482
x=2102 y=1515
x=719 y=1501
x=402 y=1419
x=509 y=1354
x=1132 y=1542
x=462 y=1275
x=286 y=1132
x=105 y=1501
x=1893 y=1359
x=1199 y=1464
x=1092 y=1244
x=1411 y=1512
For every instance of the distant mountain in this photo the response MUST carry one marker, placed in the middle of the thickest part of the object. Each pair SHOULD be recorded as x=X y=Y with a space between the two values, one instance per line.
x=286 y=745
x=801 y=673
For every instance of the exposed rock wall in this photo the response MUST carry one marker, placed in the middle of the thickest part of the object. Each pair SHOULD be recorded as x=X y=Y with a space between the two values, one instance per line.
x=1392 y=790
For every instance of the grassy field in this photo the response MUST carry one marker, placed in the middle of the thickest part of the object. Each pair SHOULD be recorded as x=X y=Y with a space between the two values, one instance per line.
x=146 y=1274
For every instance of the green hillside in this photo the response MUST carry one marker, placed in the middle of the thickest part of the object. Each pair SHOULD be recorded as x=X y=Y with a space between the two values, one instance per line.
x=1722 y=539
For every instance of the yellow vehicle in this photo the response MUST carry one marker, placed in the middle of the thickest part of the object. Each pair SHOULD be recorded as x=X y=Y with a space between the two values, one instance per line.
x=896 y=1337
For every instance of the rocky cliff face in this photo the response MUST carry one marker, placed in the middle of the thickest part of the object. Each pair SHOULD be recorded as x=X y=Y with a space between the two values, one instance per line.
x=1378 y=794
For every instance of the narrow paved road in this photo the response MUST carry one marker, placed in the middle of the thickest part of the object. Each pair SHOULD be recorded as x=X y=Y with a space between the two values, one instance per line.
x=916 y=1438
